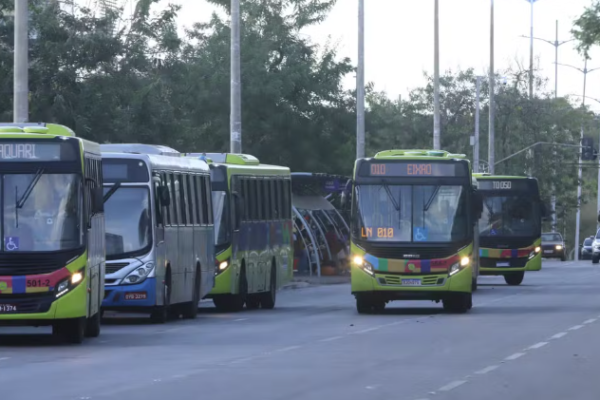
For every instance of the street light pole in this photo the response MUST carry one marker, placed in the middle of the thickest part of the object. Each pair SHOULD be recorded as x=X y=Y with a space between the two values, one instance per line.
x=531 y=51
x=436 y=77
x=21 y=62
x=360 y=83
x=584 y=71
x=476 y=144
x=491 y=149
x=235 y=111
x=556 y=43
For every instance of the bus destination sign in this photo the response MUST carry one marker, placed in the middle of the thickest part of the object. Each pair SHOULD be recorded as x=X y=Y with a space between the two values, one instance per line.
x=516 y=184
x=412 y=169
x=27 y=151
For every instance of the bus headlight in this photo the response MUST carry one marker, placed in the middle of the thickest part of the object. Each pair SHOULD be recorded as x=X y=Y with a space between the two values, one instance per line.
x=139 y=274
x=538 y=249
x=457 y=266
x=69 y=283
x=535 y=252
x=363 y=264
x=221 y=266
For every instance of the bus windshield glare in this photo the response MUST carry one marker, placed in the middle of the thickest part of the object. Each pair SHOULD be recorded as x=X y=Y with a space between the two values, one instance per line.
x=220 y=201
x=126 y=209
x=509 y=215
x=41 y=212
x=411 y=213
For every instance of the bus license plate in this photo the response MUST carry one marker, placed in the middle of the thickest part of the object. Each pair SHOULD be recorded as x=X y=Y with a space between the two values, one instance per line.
x=7 y=308
x=502 y=264
x=411 y=282
x=136 y=296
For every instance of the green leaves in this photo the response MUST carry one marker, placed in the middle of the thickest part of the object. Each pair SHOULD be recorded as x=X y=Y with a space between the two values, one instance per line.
x=586 y=28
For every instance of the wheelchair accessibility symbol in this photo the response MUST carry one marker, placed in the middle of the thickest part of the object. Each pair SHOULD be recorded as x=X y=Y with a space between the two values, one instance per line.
x=420 y=234
x=11 y=243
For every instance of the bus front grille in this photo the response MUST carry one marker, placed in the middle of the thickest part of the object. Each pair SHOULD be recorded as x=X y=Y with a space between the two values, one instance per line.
x=29 y=303
x=20 y=267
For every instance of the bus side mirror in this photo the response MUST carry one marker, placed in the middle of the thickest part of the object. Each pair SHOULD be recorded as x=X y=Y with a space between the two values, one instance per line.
x=238 y=203
x=97 y=200
x=477 y=204
x=163 y=195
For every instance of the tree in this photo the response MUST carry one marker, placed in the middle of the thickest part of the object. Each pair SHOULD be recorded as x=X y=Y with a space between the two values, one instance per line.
x=586 y=28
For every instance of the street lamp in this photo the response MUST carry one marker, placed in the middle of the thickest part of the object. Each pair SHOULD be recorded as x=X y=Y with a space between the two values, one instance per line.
x=436 y=77
x=491 y=133
x=531 y=51
x=584 y=71
x=360 y=83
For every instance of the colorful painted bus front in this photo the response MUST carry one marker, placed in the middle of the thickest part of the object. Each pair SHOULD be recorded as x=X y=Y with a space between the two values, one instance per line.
x=414 y=214
x=510 y=227
x=52 y=223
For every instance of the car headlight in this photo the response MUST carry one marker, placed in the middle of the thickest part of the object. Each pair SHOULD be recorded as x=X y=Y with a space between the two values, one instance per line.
x=457 y=266
x=139 y=274
x=558 y=247
x=363 y=264
x=69 y=283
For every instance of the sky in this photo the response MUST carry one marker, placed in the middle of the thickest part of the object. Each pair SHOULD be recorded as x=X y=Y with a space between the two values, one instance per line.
x=399 y=39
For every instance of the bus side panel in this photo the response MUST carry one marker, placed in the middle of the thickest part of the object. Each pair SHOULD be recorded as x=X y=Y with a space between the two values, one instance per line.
x=204 y=252
x=286 y=255
x=171 y=242
x=95 y=262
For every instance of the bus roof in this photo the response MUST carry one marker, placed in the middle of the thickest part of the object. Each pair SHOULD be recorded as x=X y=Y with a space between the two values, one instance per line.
x=139 y=148
x=37 y=128
x=416 y=153
x=162 y=161
x=486 y=175
x=239 y=162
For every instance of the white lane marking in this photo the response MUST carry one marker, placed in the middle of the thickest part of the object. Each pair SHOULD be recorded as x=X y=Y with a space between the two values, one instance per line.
x=366 y=330
x=589 y=321
x=537 y=345
x=559 y=335
x=331 y=339
x=240 y=319
x=451 y=385
x=574 y=328
x=487 y=369
x=288 y=349
x=514 y=356
x=4 y=358
x=241 y=360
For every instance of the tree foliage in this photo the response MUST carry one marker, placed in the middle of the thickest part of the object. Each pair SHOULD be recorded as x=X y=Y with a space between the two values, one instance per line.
x=142 y=81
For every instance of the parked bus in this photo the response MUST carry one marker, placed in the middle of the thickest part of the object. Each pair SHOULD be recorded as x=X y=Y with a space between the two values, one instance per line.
x=510 y=227
x=159 y=233
x=253 y=230
x=52 y=255
x=414 y=216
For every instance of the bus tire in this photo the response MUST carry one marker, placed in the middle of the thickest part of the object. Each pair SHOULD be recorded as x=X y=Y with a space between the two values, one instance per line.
x=70 y=330
x=458 y=303
x=268 y=299
x=253 y=301
x=160 y=314
x=190 y=310
x=92 y=325
x=238 y=300
x=364 y=305
x=474 y=285
x=514 y=278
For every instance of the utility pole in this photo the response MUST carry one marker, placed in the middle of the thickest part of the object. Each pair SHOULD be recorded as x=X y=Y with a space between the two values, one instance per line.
x=360 y=83
x=531 y=51
x=235 y=116
x=476 y=144
x=21 y=62
x=584 y=71
x=491 y=149
x=436 y=77
x=556 y=43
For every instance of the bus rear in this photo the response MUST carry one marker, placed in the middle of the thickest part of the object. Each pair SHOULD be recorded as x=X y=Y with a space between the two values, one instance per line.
x=413 y=219
x=52 y=255
x=510 y=227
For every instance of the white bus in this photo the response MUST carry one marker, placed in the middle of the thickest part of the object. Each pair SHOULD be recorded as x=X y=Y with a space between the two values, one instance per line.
x=159 y=233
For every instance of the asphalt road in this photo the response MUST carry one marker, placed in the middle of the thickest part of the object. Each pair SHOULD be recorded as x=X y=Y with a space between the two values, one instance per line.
x=537 y=340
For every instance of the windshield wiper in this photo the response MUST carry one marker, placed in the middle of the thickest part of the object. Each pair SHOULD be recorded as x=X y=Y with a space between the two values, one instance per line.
x=430 y=201
x=112 y=191
x=391 y=196
x=21 y=202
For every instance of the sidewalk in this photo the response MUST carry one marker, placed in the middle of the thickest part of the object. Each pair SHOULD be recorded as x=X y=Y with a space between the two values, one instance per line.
x=299 y=282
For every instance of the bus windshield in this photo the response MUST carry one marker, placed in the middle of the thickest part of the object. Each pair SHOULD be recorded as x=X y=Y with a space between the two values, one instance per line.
x=220 y=201
x=512 y=215
x=42 y=212
x=127 y=222
x=411 y=213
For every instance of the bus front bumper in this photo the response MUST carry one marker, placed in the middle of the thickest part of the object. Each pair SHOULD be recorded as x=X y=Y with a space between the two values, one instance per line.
x=534 y=264
x=130 y=297
x=411 y=287
x=46 y=307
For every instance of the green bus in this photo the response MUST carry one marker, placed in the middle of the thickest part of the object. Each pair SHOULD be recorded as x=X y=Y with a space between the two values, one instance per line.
x=52 y=221
x=252 y=206
x=414 y=215
x=510 y=227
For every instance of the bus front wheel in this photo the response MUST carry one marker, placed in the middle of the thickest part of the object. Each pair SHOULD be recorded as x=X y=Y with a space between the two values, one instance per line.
x=458 y=303
x=70 y=330
x=190 y=310
x=92 y=325
x=368 y=305
x=160 y=315
x=514 y=278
